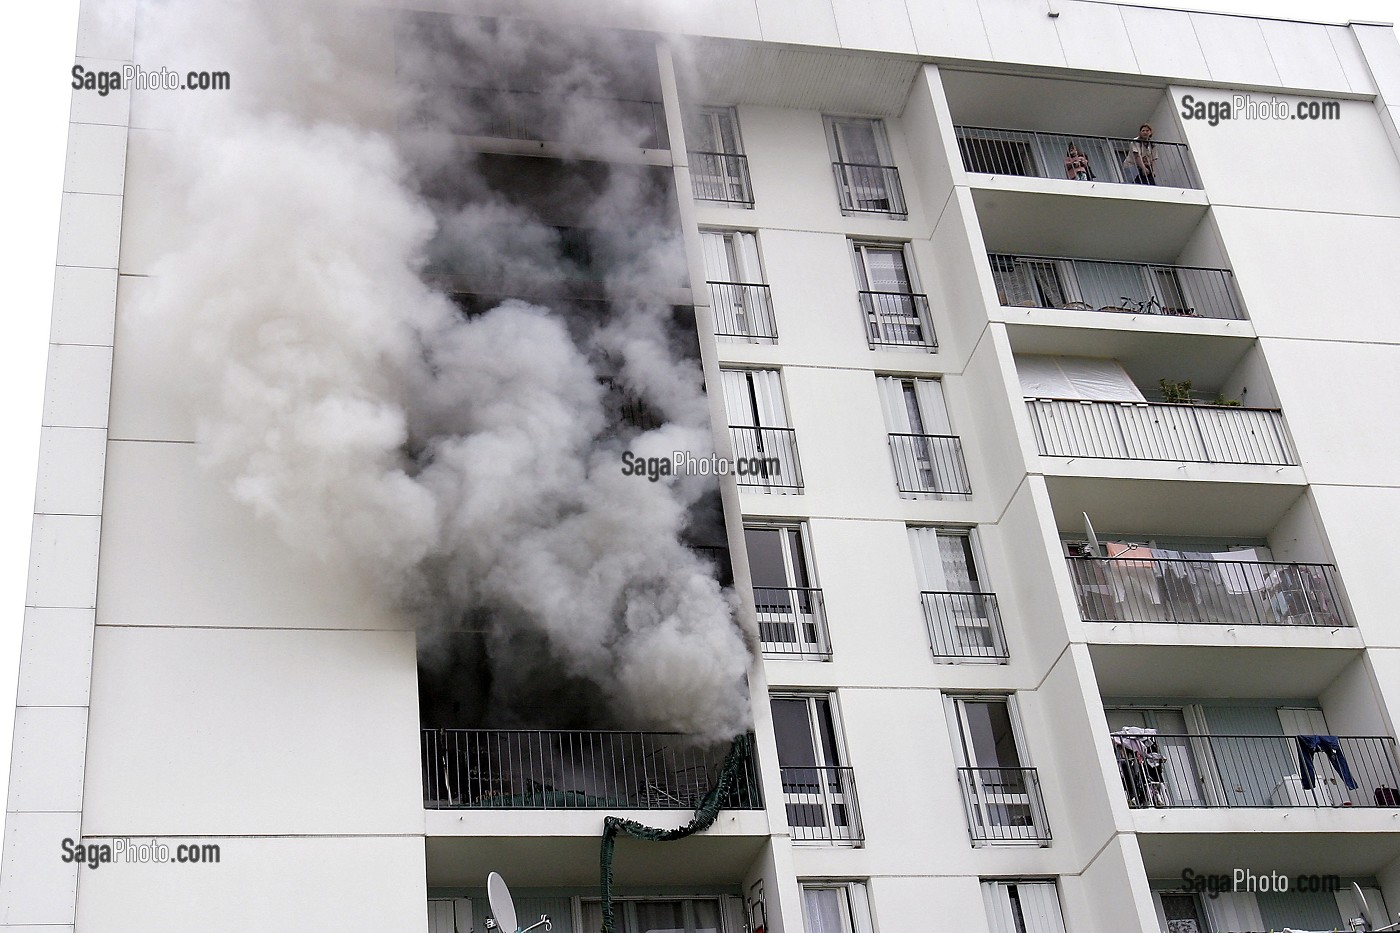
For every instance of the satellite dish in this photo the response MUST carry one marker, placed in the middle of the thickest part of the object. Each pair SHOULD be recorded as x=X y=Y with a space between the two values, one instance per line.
x=1094 y=549
x=1373 y=921
x=502 y=907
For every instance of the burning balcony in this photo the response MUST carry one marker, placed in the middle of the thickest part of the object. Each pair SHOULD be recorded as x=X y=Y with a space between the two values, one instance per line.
x=1137 y=586
x=1122 y=287
x=511 y=769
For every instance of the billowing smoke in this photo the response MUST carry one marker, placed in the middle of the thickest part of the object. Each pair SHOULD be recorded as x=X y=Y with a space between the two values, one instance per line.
x=413 y=360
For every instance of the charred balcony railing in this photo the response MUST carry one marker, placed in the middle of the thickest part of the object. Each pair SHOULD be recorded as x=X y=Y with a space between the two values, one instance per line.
x=792 y=622
x=1004 y=805
x=965 y=625
x=1211 y=592
x=870 y=189
x=1159 y=431
x=722 y=177
x=1170 y=771
x=929 y=465
x=1042 y=155
x=821 y=804
x=491 y=769
x=1122 y=287
x=766 y=458
x=897 y=319
x=743 y=309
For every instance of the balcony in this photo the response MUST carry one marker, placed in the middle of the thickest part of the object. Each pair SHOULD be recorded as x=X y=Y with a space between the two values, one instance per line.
x=1004 y=805
x=1170 y=771
x=929 y=465
x=792 y=622
x=821 y=804
x=897 y=319
x=722 y=177
x=870 y=189
x=1042 y=155
x=539 y=116
x=1121 y=287
x=743 y=310
x=767 y=458
x=492 y=769
x=1159 y=431
x=965 y=625
x=1209 y=592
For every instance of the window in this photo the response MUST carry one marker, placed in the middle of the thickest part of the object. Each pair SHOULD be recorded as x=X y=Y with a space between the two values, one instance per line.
x=758 y=426
x=1182 y=913
x=738 y=295
x=1023 y=907
x=818 y=790
x=836 y=907
x=928 y=460
x=718 y=170
x=896 y=311
x=1031 y=283
x=866 y=179
x=675 y=915
x=962 y=617
x=1000 y=794
x=788 y=603
x=449 y=915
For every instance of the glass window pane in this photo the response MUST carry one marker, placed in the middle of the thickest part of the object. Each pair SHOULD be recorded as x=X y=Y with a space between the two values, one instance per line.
x=659 y=917
x=822 y=907
x=793 y=731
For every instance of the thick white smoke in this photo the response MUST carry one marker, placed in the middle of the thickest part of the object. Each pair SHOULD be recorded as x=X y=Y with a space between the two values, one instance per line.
x=470 y=465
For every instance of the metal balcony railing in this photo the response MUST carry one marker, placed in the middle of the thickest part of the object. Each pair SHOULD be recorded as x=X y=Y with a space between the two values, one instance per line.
x=1158 y=431
x=869 y=189
x=1004 y=805
x=766 y=458
x=897 y=319
x=1256 y=770
x=965 y=625
x=1211 y=592
x=493 y=769
x=1122 y=287
x=929 y=465
x=721 y=176
x=792 y=622
x=821 y=804
x=743 y=309
x=1042 y=155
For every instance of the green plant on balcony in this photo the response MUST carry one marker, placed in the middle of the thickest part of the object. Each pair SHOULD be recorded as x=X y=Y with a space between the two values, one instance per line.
x=1176 y=393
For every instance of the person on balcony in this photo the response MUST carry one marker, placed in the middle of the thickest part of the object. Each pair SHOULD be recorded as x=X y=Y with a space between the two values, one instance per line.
x=1077 y=165
x=1142 y=158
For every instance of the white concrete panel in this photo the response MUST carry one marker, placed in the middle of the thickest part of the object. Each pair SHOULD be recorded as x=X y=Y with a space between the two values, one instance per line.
x=1235 y=49
x=1355 y=519
x=1313 y=275
x=55 y=666
x=63 y=562
x=36 y=887
x=75 y=392
x=96 y=159
x=84 y=300
x=1352 y=61
x=1095 y=38
x=1270 y=163
x=874 y=24
x=253 y=732
x=178 y=550
x=149 y=402
x=349 y=885
x=952 y=30
x=89 y=230
x=1018 y=32
x=71 y=461
x=1382 y=51
x=107 y=30
x=46 y=763
x=1303 y=55
x=92 y=106
x=801 y=22
x=151 y=202
x=1164 y=42
x=733 y=19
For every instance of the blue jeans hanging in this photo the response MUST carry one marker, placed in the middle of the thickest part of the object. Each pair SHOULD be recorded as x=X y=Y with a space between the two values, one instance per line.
x=1310 y=745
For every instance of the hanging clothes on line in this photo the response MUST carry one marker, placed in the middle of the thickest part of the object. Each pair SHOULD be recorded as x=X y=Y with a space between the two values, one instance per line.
x=1310 y=745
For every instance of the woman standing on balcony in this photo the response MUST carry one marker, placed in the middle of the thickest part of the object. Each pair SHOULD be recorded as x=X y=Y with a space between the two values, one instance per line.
x=1142 y=158
x=1077 y=165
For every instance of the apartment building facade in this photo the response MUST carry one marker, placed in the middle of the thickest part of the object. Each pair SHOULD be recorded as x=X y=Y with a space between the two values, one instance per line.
x=1061 y=570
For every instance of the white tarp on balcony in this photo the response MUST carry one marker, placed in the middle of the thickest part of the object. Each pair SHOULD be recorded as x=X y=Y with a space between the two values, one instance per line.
x=1075 y=377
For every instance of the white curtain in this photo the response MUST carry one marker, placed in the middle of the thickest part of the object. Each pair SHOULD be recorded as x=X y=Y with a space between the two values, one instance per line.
x=940 y=561
x=1040 y=907
x=822 y=910
x=1075 y=377
x=731 y=257
x=747 y=390
x=1232 y=912
x=928 y=396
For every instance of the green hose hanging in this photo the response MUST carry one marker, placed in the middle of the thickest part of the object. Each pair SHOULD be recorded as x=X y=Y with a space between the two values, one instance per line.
x=705 y=815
